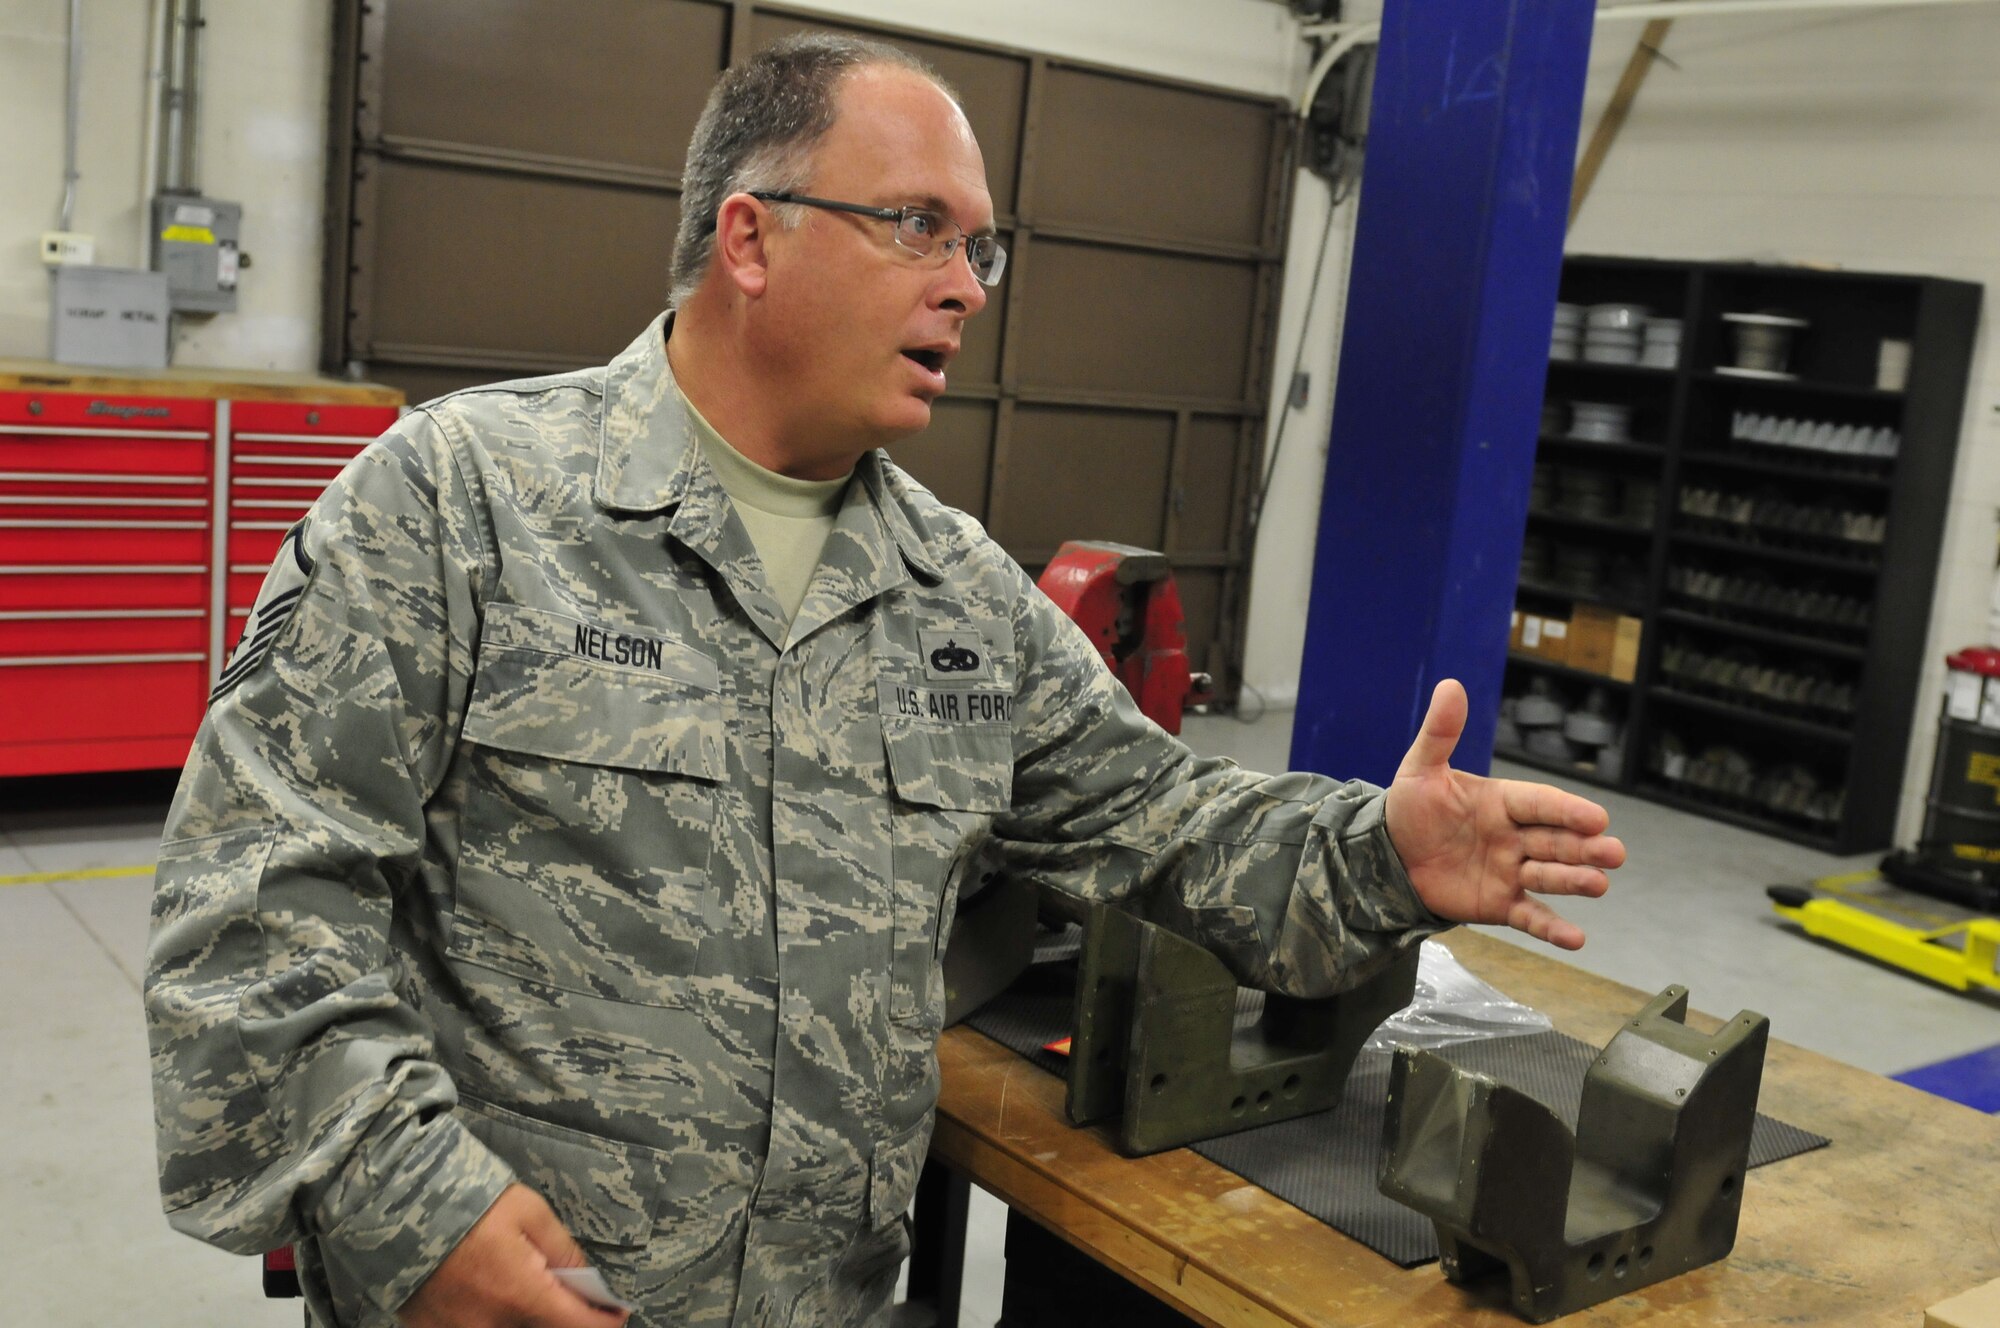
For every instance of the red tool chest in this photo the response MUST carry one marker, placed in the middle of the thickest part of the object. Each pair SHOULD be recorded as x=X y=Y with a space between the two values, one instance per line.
x=137 y=518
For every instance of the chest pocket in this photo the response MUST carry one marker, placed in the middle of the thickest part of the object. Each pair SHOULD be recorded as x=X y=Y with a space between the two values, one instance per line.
x=948 y=783
x=589 y=811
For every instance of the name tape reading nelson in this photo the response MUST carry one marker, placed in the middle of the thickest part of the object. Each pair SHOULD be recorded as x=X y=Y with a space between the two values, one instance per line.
x=637 y=652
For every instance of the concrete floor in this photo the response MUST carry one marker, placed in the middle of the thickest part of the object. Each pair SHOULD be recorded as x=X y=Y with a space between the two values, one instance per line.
x=82 y=1221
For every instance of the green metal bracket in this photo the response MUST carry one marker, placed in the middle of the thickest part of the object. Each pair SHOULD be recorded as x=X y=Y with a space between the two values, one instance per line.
x=1649 y=1186
x=1155 y=1042
x=992 y=943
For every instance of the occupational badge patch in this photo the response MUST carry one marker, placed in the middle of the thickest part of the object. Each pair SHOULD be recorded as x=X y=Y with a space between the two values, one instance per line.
x=956 y=656
x=284 y=585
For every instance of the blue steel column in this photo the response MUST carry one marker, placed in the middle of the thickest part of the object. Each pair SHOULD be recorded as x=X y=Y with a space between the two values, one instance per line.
x=1457 y=253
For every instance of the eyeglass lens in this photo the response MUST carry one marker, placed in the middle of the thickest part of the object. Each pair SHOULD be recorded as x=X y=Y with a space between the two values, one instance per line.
x=920 y=231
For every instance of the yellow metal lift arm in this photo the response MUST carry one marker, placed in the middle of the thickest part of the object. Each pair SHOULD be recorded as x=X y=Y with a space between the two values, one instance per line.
x=1915 y=950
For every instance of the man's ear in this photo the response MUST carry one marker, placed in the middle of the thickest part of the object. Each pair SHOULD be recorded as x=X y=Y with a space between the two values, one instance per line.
x=743 y=229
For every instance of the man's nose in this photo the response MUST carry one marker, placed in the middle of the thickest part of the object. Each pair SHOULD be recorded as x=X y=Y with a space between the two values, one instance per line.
x=957 y=287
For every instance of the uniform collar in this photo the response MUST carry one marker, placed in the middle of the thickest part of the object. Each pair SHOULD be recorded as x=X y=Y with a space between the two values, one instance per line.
x=648 y=460
x=645 y=441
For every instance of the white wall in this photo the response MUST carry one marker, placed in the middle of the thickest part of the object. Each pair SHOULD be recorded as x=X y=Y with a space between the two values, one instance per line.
x=1867 y=139
x=262 y=144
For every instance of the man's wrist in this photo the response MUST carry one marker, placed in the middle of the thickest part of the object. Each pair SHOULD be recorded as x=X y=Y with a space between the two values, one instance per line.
x=390 y=1243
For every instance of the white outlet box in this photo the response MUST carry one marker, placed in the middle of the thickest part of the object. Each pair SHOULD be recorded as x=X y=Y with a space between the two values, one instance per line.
x=68 y=249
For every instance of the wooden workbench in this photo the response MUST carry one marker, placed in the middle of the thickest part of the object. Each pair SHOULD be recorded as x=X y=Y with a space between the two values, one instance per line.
x=1902 y=1211
x=201 y=384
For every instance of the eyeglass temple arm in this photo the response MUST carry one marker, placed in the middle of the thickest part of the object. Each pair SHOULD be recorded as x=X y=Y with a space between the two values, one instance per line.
x=807 y=200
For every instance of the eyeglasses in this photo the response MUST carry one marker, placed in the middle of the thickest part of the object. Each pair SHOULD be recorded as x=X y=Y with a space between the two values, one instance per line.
x=919 y=230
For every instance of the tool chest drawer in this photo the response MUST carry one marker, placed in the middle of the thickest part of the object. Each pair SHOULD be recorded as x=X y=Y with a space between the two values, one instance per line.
x=63 y=712
x=81 y=433
x=43 y=590
x=130 y=523
x=281 y=456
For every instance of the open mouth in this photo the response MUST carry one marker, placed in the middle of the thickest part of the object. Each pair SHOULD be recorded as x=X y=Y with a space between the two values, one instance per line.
x=932 y=361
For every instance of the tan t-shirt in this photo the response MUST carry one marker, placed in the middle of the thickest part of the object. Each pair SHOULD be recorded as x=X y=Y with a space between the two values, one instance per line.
x=788 y=519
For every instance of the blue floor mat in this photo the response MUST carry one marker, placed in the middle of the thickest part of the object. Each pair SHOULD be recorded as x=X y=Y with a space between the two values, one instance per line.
x=1972 y=1079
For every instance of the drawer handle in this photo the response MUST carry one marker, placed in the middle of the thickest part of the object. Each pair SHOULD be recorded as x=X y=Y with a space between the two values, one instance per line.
x=51 y=615
x=100 y=569
x=65 y=477
x=285 y=461
x=323 y=439
x=103 y=525
x=38 y=661
x=72 y=431
x=90 y=500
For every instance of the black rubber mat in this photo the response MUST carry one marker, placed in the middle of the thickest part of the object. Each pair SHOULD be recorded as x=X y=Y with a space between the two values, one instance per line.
x=1327 y=1163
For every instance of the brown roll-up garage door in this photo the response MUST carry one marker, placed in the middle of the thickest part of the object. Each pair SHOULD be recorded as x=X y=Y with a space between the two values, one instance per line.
x=504 y=186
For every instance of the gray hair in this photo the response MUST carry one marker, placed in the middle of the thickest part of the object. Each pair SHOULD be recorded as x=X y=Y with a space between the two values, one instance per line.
x=759 y=129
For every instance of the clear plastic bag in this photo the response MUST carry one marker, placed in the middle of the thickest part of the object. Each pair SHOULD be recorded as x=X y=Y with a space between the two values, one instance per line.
x=1451 y=1006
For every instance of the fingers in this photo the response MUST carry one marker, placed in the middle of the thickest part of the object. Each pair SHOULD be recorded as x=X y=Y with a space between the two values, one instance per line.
x=1541 y=843
x=1550 y=878
x=556 y=1306
x=1544 y=804
x=1544 y=924
x=547 y=1234
x=1443 y=723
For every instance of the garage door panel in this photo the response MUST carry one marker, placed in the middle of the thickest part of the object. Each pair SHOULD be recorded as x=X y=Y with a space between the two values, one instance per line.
x=1164 y=162
x=1085 y=474
x=467 y=258
x=1120 y=320
x=954 y=456
x=1201 y=606
x=624 y=87
x=1208 y=484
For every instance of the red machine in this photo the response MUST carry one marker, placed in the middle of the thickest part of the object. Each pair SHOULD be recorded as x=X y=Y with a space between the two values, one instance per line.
x=1125 y=601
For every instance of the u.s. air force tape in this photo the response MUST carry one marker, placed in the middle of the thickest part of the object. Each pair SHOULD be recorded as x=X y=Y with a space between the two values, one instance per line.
x=284 y=586
x=984 y=705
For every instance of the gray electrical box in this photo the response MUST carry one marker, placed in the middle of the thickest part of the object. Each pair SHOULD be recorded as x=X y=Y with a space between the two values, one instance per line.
x=195 y=243
x=112 y=317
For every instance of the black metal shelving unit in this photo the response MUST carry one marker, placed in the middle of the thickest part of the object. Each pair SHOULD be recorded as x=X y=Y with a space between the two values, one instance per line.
x=1772 y=612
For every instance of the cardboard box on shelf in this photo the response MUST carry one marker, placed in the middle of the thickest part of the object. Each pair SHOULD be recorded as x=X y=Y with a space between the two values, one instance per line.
x=1625 y=648
x=1514 y=631
x=1593 y=632
x=1555 y=645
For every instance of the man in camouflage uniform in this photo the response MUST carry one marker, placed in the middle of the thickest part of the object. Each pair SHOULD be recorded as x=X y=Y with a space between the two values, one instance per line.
x=545 y=888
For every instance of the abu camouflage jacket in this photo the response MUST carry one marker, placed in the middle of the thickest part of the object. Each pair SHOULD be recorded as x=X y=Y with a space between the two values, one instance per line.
x=523 y=840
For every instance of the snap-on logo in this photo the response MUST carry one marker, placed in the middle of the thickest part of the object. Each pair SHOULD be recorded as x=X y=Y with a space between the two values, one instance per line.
x=128 y=412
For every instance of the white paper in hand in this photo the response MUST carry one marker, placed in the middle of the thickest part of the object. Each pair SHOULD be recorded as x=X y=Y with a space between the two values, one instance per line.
x=589 y=1283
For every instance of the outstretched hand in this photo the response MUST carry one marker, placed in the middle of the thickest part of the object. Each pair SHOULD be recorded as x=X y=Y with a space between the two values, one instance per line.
x=1480 y=850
